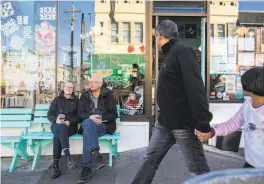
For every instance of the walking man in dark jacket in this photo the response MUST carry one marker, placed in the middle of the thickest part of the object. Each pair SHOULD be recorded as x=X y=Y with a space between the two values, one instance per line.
x=97 y=111
x=63 y=116
x=183 y=107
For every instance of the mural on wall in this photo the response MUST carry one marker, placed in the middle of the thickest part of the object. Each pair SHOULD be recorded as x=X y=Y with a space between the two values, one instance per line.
x=117 y=68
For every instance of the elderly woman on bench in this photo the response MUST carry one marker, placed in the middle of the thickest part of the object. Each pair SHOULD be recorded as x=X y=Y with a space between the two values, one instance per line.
x=63 y=116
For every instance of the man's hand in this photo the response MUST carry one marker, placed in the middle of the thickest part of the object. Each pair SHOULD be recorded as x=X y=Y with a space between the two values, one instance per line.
x=96 y=120
x=67 y=123
x=203 y=137
x=59 y=121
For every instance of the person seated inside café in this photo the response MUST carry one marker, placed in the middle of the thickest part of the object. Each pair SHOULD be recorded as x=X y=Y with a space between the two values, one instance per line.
x=132 y=100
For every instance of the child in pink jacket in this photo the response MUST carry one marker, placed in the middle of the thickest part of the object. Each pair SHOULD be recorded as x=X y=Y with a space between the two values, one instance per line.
x=251 y=117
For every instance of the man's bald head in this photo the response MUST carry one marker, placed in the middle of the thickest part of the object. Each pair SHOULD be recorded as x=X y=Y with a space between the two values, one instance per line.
x=95 y=82
x=96 y=78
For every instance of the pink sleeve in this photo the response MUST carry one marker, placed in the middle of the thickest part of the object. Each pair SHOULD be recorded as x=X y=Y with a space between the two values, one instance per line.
x=232 y=125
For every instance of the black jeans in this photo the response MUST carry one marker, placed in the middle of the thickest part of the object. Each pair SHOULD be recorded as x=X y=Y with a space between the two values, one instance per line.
x=61 y=134
x=161 y=141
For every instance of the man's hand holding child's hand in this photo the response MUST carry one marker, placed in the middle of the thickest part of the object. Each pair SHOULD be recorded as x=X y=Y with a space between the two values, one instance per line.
x=203 y=137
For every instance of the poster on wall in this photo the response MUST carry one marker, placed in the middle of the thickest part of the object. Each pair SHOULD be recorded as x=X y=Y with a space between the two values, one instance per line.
x=259 y=59
x=230 y=83
x=117 y=68
x=190 y=31
x=246 y=59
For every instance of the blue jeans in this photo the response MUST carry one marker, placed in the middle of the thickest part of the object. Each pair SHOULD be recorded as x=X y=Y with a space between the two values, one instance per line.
x=91 y=133
x=161 y=141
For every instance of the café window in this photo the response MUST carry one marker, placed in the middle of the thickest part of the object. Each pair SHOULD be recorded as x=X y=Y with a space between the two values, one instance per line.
x=28 y=59
x=230 y=58
x=31 y=50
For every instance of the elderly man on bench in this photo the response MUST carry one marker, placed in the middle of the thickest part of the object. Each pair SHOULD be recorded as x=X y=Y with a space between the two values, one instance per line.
x=97 y=111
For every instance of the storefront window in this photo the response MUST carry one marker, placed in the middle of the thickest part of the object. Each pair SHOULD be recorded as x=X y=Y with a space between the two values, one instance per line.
x=235 y=50
x=44 y=43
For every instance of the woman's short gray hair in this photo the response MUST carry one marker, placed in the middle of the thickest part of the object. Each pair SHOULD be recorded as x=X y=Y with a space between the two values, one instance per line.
x=68 y=81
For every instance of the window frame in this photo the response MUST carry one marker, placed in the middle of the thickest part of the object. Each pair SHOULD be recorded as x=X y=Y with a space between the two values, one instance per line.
x=116 y=31
x=222 y=31
x=212 y=30
x=141 y=32
x=127 y=30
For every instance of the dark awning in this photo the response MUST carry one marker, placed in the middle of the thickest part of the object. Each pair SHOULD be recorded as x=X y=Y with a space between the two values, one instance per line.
x=251 y=18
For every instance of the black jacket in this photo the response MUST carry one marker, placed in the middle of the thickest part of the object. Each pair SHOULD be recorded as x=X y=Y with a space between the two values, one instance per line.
x=181 y=93
x=106 y=105
x=68 y=107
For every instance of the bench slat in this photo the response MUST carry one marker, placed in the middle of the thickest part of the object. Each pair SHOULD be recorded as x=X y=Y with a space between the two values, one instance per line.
x=40 y=120
x=39 y=135
x=49 y=135
x=13 y=111
x=41 y=113
x=15 y=124
x=116 y=135
x=10 y=139
x=16 y=117
x=42 y=106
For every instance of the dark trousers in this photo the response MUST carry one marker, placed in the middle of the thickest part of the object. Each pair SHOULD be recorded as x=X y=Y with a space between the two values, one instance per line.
x=247 y=165
x=91 y=133
x=61 y=134
x=161 y=141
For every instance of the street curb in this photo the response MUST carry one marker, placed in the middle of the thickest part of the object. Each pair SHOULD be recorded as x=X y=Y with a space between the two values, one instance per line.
x=221 y=152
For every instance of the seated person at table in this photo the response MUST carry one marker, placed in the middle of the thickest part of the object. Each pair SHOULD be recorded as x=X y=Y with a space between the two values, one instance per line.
x=97 y=111
x=63 y=116
x=132 y=100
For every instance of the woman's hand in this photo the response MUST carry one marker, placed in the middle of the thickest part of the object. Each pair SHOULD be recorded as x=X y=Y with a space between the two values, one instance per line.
x=59 y=121
x=67 y=123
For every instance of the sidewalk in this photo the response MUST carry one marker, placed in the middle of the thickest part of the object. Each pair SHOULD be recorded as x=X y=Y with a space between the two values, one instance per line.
x=172 y=169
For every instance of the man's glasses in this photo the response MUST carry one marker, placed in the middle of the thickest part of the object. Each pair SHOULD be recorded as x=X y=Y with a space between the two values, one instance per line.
x=93 y=82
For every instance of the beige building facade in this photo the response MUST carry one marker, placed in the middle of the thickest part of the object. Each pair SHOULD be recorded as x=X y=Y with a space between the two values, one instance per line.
x=127 y=30
x=222 y=13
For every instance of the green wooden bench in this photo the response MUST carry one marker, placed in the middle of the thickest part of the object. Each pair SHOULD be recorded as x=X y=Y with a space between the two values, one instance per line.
x=16 y=118
x=36 y=140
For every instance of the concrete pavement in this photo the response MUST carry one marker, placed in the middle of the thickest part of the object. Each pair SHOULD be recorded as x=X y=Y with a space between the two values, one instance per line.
x=172 y=169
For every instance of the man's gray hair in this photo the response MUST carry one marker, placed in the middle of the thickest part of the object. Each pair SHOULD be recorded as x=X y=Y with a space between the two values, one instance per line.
x=168 y=29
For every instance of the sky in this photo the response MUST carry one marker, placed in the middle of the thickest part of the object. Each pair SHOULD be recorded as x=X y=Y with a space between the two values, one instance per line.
x=251 y=5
